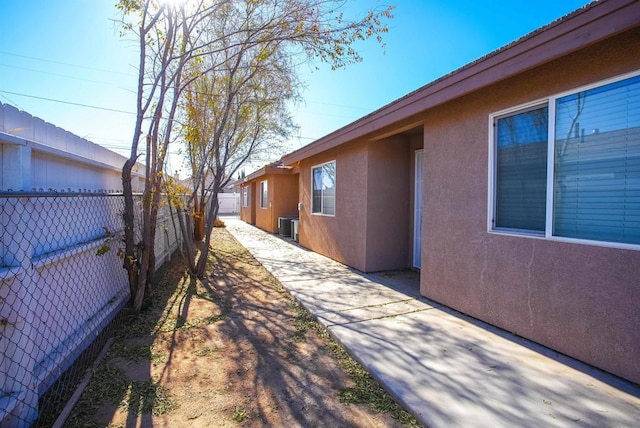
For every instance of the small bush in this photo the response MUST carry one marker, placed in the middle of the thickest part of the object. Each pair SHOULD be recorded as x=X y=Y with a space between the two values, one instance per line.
x=239 y=414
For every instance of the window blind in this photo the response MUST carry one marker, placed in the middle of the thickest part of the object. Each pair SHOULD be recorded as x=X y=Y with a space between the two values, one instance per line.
x=521 y=170
x=597 y=164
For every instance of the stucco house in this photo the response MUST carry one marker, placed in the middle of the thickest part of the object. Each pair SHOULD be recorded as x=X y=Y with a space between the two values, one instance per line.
x=268 y=194
x=513 y=184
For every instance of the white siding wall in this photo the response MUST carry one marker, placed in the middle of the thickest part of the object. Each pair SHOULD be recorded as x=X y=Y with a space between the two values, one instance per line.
x=39 y=156
x=228 y=203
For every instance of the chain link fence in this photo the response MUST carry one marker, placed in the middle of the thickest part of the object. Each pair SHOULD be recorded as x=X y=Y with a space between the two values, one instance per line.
x=57 y=295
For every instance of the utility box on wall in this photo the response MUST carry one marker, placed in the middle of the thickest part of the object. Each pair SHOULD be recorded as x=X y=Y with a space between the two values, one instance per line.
x=284 y=226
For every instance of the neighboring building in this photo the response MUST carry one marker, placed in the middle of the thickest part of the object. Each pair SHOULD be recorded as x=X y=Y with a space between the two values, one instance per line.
x=40 y=157
x=513 y=183
x=268 y=194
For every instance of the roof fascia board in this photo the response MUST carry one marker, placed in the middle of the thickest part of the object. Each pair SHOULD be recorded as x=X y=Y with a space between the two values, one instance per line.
x=255 y=174
x=265 y=170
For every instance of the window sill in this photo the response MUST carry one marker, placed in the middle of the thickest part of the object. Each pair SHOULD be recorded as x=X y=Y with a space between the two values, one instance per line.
x=518 y=232
x=606 y=244
x=323 y=215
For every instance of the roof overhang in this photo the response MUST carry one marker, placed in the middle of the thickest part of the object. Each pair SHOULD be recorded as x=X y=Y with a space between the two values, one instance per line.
x=273 y=168
x=591 y=24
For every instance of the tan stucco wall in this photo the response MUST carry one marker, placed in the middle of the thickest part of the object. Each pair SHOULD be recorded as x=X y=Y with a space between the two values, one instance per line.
x=372 y=228
x=388 y=196
x=340 y=237
x=579 y=299
x=285 y=202
x=282 y=200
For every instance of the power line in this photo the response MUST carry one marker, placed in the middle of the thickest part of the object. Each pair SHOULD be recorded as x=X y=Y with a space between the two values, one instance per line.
x=299 y=137
x=126 y=74
x=66 y=76
x=68 y=102
x=11 y=102
x=122 y=111
x=65 y=63
x=114 y=139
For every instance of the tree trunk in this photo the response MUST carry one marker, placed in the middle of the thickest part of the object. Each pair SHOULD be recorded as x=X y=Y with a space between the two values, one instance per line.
x=184 y=219
x=198 y=220
x=147 y=252
x=210 y=220
x=130 y=262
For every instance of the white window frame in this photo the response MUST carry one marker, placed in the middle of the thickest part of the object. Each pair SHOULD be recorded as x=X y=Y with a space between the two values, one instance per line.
x=492 y=168
x=264 y=199
x=334 y=197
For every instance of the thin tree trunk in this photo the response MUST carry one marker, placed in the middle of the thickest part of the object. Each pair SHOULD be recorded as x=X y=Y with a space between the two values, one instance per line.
x=130 y=262
x=184 y=219
x=198 y=227
x=210 y=220
x=181 y=242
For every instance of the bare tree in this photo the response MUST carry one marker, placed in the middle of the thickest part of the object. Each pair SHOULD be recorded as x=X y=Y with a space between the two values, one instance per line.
x=180 y=43
x=234 y=112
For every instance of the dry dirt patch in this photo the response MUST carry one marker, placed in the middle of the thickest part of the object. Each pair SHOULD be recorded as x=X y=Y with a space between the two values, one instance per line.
x=232 y=350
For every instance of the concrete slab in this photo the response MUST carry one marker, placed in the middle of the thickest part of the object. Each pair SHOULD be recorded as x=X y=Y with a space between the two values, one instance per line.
x=366 y=313
x=444 y=367
x=452 y=371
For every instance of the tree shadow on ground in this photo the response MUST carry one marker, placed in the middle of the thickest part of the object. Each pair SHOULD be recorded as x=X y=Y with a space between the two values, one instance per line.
x=446 y=365
x=218 y=351
x=121 y=389
x=289 y=375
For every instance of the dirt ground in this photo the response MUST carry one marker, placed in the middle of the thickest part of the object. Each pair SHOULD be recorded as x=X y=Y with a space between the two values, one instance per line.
x=232 y=350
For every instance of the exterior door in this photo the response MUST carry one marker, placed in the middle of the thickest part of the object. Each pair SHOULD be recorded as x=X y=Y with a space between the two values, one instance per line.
x=417 y=208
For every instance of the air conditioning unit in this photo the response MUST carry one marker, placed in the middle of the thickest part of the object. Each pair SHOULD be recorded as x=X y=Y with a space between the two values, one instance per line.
x=284 y=226
x=294 y=229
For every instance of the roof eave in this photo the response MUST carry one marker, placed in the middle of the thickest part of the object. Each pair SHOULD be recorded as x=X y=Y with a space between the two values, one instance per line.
x=268 y=169
x=586 y=26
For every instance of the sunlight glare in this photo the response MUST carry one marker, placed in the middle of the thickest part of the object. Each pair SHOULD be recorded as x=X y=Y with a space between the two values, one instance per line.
x=174 y=3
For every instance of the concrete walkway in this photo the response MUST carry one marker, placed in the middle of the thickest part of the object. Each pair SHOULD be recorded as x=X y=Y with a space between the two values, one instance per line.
x=447 y=369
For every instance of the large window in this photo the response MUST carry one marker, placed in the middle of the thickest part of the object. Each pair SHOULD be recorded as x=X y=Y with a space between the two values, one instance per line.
x=569 y=167
x=245 y=196
x=264 y=194
x=323 y=179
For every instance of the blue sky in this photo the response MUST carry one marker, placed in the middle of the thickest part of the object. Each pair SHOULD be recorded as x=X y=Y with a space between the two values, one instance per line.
x=70 y=51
